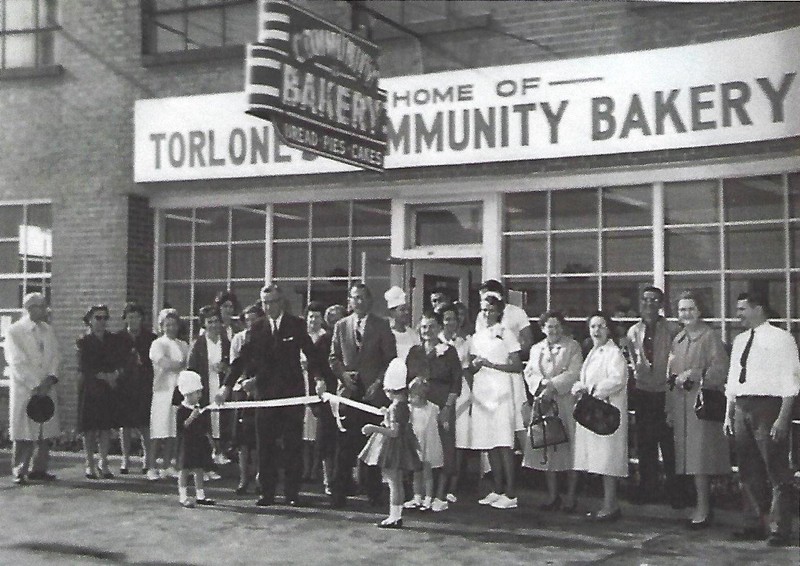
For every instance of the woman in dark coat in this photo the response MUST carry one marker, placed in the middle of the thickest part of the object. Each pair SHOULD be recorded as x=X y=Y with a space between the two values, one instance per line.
x=135 y=391
x=101 y=361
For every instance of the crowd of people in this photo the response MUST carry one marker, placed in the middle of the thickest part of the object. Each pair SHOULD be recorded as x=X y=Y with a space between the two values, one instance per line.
x=446 y=389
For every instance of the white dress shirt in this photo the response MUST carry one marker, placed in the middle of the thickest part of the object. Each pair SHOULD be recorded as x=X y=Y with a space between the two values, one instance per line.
x=773 y=366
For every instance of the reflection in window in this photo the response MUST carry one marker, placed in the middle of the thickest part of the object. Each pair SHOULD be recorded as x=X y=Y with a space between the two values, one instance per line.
x=628 y=206
x=574 y=209
x=692 y=249
x=753 y=198
x=447 y=224
x=692 y=202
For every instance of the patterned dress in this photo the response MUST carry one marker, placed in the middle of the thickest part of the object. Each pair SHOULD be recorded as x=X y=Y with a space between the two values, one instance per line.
x=398 y=452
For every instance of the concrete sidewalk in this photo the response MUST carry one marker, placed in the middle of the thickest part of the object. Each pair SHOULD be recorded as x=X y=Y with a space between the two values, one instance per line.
x=129 y=520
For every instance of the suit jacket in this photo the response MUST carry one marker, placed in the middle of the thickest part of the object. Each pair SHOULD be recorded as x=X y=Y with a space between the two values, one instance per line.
x=198 y=361
x=275 y=360
x=378 y=348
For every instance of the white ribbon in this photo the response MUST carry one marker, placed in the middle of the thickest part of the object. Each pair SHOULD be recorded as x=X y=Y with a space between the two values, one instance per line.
x=293 y=401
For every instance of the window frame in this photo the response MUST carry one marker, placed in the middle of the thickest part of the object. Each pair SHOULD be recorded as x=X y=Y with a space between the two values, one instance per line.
x=40 y=67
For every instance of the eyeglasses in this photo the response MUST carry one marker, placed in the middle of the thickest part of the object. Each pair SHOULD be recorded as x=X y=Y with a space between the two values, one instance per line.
x=101 y=317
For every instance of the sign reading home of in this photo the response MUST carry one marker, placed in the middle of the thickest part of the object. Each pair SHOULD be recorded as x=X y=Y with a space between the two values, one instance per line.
x=318 y=85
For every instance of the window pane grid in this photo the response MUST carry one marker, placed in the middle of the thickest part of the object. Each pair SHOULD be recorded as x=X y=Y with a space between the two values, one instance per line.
x=710 y=232
x=26 y=35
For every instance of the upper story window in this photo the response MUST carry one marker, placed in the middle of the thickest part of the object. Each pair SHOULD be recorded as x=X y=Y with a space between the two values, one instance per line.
x=423 y=16
x=170 y=26
x=26 y=33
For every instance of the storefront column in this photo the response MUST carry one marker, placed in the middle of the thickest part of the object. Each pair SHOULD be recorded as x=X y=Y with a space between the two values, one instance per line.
x=658 y=234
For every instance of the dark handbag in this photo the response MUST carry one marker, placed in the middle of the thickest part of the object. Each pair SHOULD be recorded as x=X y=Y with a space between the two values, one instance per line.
x=601 y=417
x=546 y=428
x=710 y=405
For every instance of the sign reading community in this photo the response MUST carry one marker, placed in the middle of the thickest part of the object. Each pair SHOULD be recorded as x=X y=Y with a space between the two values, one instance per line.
x=318 y=85
x=726 y=92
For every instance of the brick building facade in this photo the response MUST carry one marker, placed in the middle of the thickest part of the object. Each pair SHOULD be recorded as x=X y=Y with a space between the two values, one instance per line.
x=67 y=139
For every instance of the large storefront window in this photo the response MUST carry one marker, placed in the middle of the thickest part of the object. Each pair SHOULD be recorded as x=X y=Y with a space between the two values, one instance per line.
x=320 y=248
x=26 y=254
x=577 y=250
x=315 y=251
x=583 y=249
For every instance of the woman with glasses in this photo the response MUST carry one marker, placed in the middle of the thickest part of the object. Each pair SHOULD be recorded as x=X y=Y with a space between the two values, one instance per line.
x=100 y=364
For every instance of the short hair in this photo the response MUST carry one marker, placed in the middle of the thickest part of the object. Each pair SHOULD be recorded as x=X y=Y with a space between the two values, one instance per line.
x=691 y=295
x=225 y=296
x=130 y=307
x=360 y=285
x=329 y=311
x=443 y=292
x=271 y=288
x=452 y=307
x=605 y=316
x=499 y=303
x=755 y=299
x=206 y=312
x=653 y=289
x=255 y=308
x=437 y=316
x=547 y=315
x=314 y=306
x=494 y=286
x=164 y=314
x=90 y=312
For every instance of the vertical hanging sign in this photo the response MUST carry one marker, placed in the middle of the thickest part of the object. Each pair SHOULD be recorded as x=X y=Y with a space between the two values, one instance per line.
x=318 y=84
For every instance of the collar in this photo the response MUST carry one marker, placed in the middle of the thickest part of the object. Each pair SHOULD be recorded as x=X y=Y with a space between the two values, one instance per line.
x=683 y=334
x=277 y=321
x=27 y=323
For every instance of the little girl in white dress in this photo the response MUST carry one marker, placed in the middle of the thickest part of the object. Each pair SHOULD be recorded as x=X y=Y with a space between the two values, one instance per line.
x=424 y=422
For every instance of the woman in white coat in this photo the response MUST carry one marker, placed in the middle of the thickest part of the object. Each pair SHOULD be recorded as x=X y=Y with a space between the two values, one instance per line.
x=604 y=374
x=169 y=355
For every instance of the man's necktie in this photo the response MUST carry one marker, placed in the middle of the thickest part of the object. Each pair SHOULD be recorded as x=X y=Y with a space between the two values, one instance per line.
x=647 y=343
x=359 y=335
x=745 y=355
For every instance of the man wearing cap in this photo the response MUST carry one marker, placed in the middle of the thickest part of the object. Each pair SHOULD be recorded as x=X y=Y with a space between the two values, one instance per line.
x=399 y=320
x=31 y=353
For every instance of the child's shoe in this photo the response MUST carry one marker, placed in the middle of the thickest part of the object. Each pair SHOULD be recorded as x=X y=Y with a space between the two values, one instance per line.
x=426 y=504
x=205 y=501
x=451 y=497
x=439 y=505
x=188 y=503
x=414 y=503
x=153 y=475
x=489 y=499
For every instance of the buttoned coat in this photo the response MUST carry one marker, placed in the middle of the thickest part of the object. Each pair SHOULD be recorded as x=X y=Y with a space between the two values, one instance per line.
x=28 y=366
x=377 y=349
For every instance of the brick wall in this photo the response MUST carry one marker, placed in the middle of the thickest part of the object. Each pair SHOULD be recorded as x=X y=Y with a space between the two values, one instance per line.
x=69 y=138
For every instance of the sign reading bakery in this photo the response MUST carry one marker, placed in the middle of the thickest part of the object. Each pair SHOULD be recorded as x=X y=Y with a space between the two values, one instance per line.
x=726 y=92
x=318 y=85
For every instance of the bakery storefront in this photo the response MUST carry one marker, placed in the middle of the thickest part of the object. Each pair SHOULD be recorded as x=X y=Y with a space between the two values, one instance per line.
x=575 y=182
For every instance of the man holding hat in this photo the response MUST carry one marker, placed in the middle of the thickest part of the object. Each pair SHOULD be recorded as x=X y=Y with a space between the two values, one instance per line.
x=32 y=356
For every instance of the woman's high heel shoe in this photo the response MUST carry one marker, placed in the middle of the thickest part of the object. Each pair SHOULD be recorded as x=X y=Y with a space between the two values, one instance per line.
x=704 y=524
x=552 y=506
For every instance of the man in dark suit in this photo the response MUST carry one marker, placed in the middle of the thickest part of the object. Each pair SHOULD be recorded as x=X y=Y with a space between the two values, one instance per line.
x=361 y=348
x=271 y=353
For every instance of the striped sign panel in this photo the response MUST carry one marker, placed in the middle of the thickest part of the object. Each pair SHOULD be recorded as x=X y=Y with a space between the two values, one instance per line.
x=318 y=84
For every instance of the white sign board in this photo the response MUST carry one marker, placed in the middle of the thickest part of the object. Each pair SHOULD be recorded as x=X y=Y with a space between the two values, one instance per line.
x=725 y=92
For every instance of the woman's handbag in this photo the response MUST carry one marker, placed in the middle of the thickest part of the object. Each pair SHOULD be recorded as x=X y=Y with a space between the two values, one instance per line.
x=601 y=417
x=546 y=427
x=710 y=405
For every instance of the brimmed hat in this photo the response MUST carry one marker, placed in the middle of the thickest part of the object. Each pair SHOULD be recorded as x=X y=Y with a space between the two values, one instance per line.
x=40 y=409
x=396 y=375
x=395 y=297
x=189 y=381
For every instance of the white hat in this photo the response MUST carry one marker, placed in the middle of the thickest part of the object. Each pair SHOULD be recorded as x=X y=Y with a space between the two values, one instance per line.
x=189 y=381
x=395 y=297
x=396 y=375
